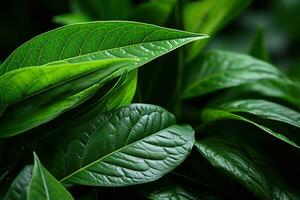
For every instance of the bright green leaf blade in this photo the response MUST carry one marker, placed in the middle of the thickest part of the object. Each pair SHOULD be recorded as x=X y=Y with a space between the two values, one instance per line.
x=18 y=188
x=131 y=145
x=209 y=16
x=44 y=186
x=258 y=48
x=247 y=165
x=35 y=182
x=98 y=40
x=35 y=95
x=217 y=70
x=23 y=83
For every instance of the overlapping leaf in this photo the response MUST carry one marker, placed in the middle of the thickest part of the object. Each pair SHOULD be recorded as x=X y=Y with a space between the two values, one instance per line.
x=34 y=95
x=261 y=109
x=246 y=165
x=35 y=182
x=217 y=70
x=131 y=145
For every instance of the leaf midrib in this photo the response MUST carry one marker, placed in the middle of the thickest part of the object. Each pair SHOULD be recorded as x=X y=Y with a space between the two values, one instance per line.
x=116 y=151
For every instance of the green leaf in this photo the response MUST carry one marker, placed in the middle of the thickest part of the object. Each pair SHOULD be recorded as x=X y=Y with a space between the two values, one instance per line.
x=247 y=165
x=35 y=95
x=36 y=183
x=132 y=145
x=209 y=16
x=216 y=70
x=98 y=40
x=261 y=109
x=258 y=48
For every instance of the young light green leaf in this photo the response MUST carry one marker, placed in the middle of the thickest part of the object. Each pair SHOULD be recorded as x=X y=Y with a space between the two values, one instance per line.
x=35 y=95
x=132 y=145
x=246 y=165
x=260 y=109
x=98 y=40
x=209 y=16
x=258 y=48
x=217 y=70
x=36 y=183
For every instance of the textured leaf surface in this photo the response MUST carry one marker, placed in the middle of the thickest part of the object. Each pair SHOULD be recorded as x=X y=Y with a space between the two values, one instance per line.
x=217 y=70
x=260 y=109
x=35 y=95
x=131 y=145
x=98 y=40
x=36 y=183
x=209 y=16
x=246 y=165
x=18 y=188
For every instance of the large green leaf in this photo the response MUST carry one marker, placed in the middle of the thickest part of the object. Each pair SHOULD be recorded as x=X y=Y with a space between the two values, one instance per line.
x=98 y=40
x=247 y=165
x=131 y=145
x=262 y=110
x=217 y=70
x=209 y=16
x=36 y=183
x=34 y=95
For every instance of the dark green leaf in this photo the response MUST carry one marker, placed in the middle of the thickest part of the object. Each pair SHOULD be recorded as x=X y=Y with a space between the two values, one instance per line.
x=260 y=109
x=217 y=70
x=246 y=165
x=131 y=145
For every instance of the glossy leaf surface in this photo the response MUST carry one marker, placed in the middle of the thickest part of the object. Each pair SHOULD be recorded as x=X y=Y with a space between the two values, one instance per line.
x=217 y=70
x=98 y=40
x=131 y=145
x=247 y=165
